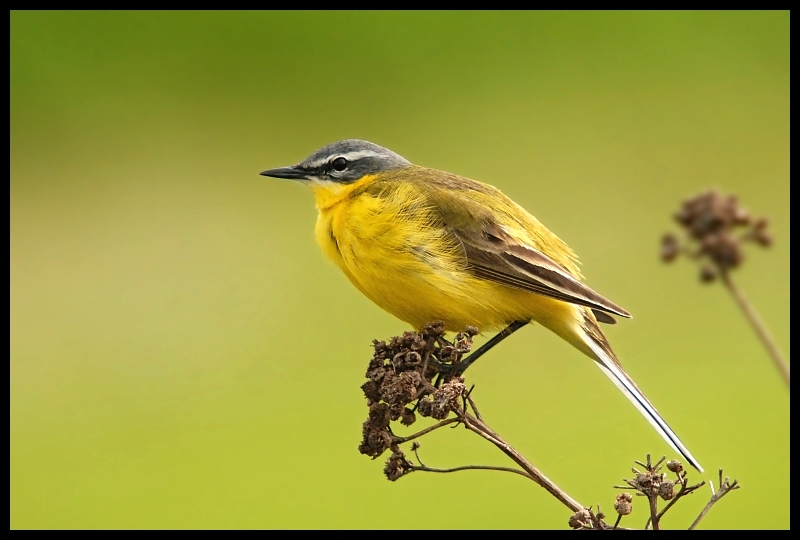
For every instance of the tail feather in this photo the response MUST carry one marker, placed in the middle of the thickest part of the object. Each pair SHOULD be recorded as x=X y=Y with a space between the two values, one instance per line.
x=609 y=365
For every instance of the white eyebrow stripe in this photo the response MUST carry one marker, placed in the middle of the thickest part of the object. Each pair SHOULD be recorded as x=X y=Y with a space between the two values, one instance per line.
x=358 y=154
x=349 y=156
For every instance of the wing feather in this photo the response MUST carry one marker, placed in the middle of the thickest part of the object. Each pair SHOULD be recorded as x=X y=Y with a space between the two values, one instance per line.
x=513 y=256
x=495 y=255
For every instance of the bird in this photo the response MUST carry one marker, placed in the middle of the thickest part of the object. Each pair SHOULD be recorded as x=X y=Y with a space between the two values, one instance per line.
x=460 y=251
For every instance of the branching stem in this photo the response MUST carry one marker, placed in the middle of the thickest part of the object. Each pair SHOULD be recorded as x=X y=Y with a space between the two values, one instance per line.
x=401 y=440
x=477 y=426
x=725 y=487
x=469 y=468
x=684 y=490
x=755 y=321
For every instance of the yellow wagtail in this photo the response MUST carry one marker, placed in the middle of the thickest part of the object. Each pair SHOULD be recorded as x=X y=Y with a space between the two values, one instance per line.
x=461 y=251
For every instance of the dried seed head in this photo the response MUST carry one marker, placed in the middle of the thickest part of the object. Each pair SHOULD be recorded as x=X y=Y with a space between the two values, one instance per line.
x=434 y=329
x=375 y=437
x=623 y=504
x=376 y=373
x=646 y=483
x=666 y=490
x=395 y=411
x=727 y=250
x=446 y=353
x=643 y=482
x=425 y=407
x=675 y=466
x=400 y=389
x=371 y=392
x=713 y=221
x=580 y=519
x=670 y=247
x=407 y=417
x=741 y=216
x=707 y=274
x=379 y=415
x=762 y=238
x=683 y=216
x=374 y=442
x=406 y=360
x=397 y=465
x=446 y=397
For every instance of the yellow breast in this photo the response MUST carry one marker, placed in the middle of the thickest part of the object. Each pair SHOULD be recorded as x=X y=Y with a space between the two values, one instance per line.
x=395 y=250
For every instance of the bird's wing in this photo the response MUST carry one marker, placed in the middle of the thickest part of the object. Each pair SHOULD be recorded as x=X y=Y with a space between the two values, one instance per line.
x=524 y=254
x=494 y=254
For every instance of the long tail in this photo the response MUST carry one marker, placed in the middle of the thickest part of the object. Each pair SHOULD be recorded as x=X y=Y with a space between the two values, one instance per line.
x=608 y=363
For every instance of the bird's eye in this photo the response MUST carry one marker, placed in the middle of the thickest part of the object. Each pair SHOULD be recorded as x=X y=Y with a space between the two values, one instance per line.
x=339 y=164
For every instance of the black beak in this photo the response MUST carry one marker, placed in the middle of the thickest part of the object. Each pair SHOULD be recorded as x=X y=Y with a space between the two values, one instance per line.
x=291 y=173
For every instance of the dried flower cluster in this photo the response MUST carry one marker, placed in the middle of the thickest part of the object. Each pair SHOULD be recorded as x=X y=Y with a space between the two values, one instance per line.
x=401 y=385
x=623 y=504
x=582 y=519
x=715 y=227
x=654 y=484
x=397 y=465
x=419 y=374
x=588 y=520
x=651 y=484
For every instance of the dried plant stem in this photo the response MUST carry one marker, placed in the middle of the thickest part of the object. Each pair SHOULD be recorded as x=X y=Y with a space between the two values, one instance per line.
x=471 y=468
x=474 y=408
x=654 y=516
x=725 y=487
x=758 y=325
x=401 y=440
x=684 y=490
x=477 y=426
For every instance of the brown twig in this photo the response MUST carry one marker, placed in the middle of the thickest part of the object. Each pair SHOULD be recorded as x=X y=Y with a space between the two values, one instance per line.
x=684 y=490
x=470 y=468
x=474 y=408
x=725 y=487
x=401 y=440
x=425 y=468
x=478 y=426
x=758 y=325
x=653 y=484
x=654 y=519
x=650 y=490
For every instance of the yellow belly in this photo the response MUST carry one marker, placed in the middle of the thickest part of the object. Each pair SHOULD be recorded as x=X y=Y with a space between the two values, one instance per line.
x=401 y=261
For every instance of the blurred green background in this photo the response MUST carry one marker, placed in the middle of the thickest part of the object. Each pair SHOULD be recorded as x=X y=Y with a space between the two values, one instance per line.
x=183 y=356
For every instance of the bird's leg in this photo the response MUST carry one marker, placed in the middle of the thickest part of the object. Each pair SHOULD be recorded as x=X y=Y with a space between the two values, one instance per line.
x=462 y=366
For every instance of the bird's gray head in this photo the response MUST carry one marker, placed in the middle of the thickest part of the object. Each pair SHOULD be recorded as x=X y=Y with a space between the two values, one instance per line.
x=342 y=162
